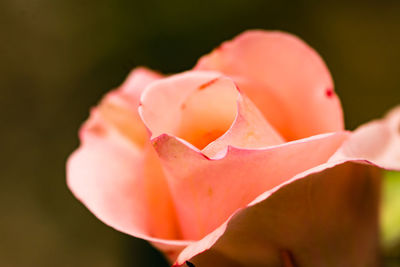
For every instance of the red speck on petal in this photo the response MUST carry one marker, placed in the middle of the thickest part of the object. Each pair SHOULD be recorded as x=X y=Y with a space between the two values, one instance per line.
x=205 y=85
x=329 y=92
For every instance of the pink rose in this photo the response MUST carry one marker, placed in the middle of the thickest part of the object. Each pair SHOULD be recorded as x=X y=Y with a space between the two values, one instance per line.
x=242 y=161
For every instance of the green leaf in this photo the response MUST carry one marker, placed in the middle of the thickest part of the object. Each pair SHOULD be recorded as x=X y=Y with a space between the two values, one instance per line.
x=390 y=218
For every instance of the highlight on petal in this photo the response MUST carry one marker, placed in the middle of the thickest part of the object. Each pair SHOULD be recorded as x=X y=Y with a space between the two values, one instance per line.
x=284 y=77
x=300 y=222
x=207 y=191
x=377 y=142
x=116 y=173
x=207 y=110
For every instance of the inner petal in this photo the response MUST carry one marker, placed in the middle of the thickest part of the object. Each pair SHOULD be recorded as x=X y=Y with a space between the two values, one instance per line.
x=198 y=107
x=208 y=112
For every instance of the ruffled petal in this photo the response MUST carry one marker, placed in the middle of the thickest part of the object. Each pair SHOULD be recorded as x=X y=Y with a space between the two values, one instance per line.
x=284 y=77
x=249 y=130
x=377 y=142
x=207 y=110
x=323 y=217
x=207 y=191
x=298 y=222
x=195 y=106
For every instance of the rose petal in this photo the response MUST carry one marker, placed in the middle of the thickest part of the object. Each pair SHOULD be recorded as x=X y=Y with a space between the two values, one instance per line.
x=116 y=172
x=344 y=193
x=249 y=130
x=377 y=142
x=191 y=105
x=136 y=82
x=324 y=217
x=206 y=192
x=205 y=108
x=284 y=77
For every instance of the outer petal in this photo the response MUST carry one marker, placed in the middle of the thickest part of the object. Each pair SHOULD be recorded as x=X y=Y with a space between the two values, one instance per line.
x=206 y=192
x=284 y=77
x=377 y=142
x=324 y=217
x=116 y=173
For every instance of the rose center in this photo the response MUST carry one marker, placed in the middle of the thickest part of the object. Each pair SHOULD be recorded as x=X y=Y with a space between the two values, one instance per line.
x=196 y=106
x=207 y=113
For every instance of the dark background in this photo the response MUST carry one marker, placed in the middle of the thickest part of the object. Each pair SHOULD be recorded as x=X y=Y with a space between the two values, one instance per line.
x=57 y=58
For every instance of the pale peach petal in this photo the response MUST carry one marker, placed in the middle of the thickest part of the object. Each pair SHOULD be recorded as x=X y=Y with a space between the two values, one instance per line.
x=323 y=217
x=119 y=107
x=284 y=77
x=100 y=175
x=249 y=130
x=205 y=109
x=299 y=221
x=136 y=82
x=116 y=173
x=206 y=192
x=195 y=106
x=377 y=142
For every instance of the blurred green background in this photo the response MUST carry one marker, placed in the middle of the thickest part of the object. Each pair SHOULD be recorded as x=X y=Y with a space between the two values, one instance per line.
x=57 y=58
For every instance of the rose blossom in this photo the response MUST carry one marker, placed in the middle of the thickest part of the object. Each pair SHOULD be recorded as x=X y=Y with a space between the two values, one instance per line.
x=242 y=161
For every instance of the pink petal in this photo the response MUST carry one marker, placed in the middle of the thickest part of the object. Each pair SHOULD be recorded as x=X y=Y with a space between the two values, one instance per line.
x=297 y=223
x=206 y=192
x=205 y=109
x=249 y=130
x=284 y=77
x=136 y=82
x=324 y=217
x=377 y=142
x=116 y=173
x=195 y=106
